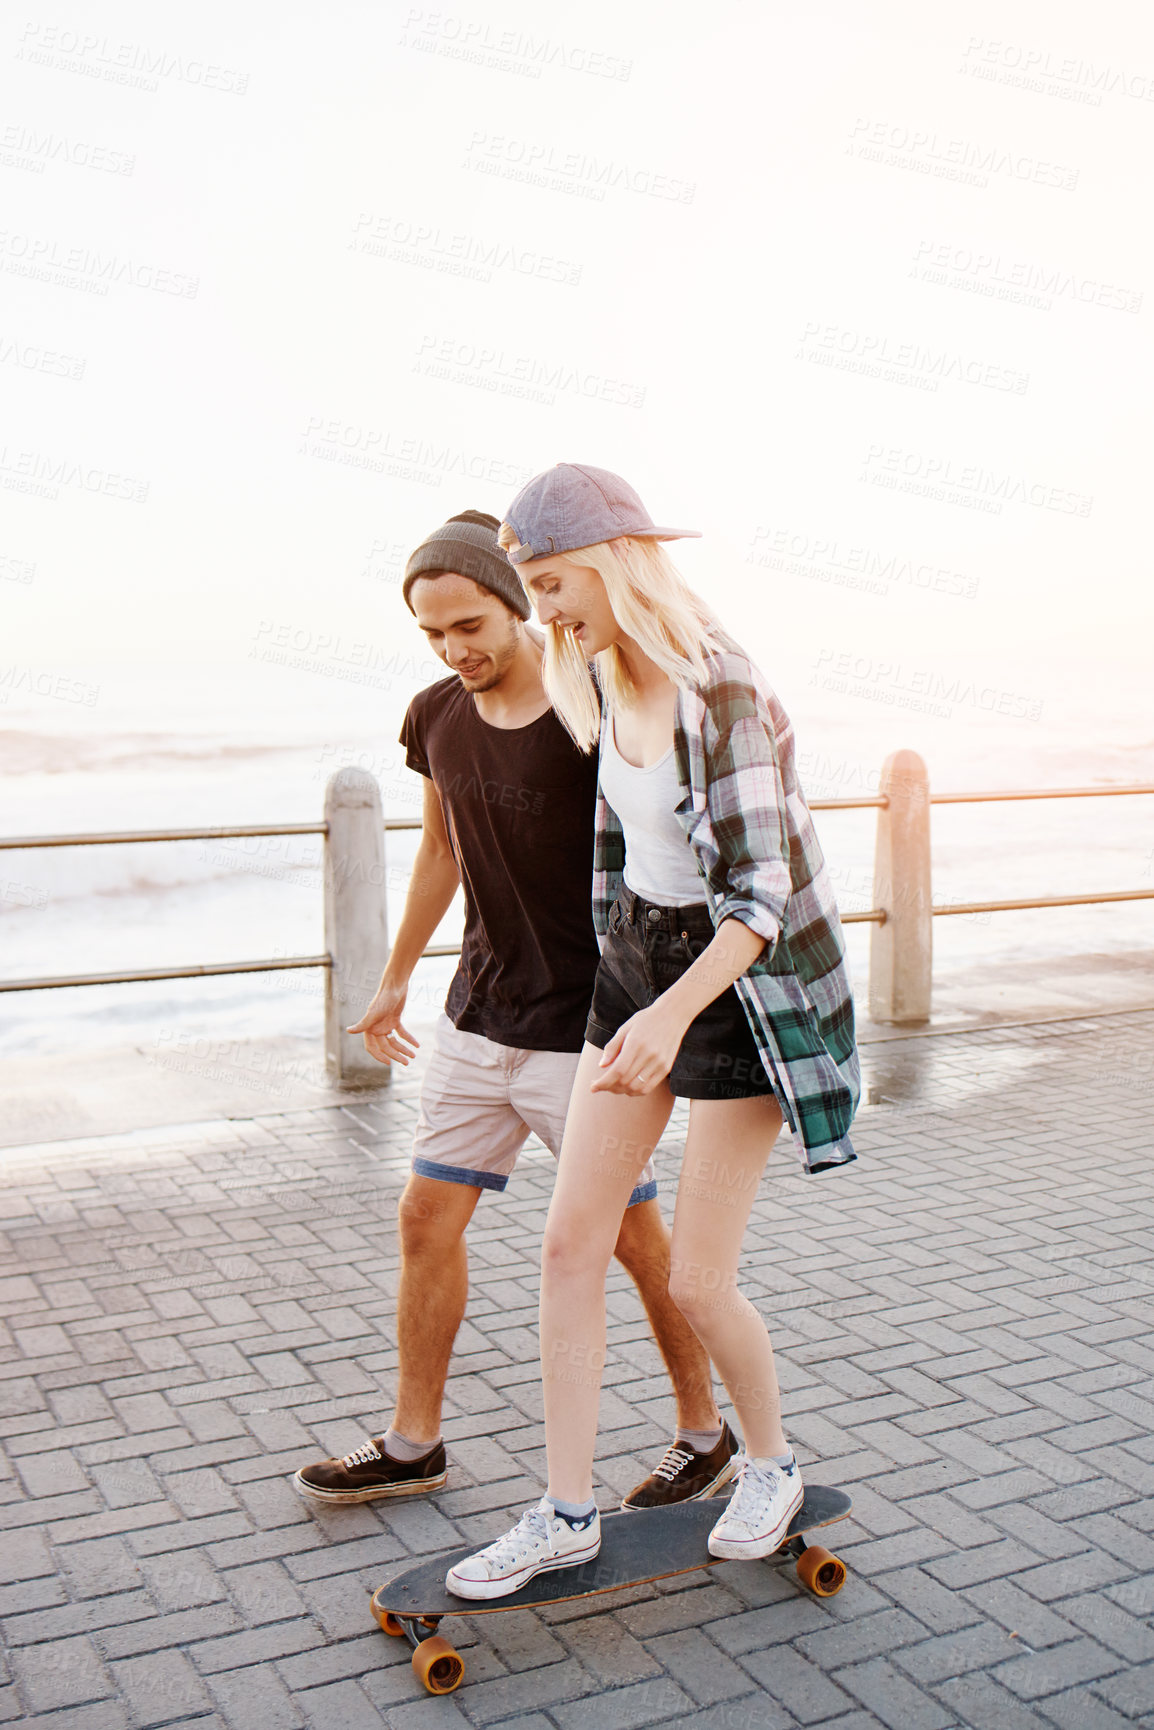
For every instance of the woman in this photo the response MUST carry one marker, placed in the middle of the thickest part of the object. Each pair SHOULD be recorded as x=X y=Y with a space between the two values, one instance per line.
x=722 y=980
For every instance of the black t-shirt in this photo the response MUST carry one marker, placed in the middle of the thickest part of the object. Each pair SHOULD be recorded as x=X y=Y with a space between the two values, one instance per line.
x=519 y=808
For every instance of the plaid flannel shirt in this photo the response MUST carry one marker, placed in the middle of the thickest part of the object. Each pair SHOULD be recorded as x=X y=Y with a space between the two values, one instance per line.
x=752 y=835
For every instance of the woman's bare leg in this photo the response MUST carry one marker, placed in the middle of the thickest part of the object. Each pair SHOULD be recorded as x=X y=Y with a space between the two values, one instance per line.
x=608 y=1138
x=726 y=1150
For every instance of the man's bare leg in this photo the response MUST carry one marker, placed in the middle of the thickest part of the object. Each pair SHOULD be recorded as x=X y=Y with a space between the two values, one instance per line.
x=643 y=1249
x=432 y=1217
x=410 y=1458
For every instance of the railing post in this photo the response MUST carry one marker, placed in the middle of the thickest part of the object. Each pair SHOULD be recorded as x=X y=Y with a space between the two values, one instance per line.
x=901 y=950
x=356 y=924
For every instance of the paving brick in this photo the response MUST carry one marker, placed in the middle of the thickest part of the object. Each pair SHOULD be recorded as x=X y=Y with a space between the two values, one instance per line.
x=1112 y=1625
x=197 y=1493
x=60 y=1673
x=504 y=1696
x=106 y=1715
x=365 y=1657
x=609 y=1651
x=255 y=1646
x=1079 y=1709
x=864 y=1637
x=255 y=1695
x=704 y=1671
x=967 y=1386
x=756 y=1712
x=187 y=1534
x=934 y=1605
x=102 y=1565
x=159 y=1688
x=640 y=1703
x=982 y=1704
x=1055 y=1580
x=157 y=1633
x=685 y=1609
x=445 y=1714
x=797 y=1684
x=948 y=1655
x=24 y=1556
x=523 y=1642
x=1047 y=1537
x=987 y=1562
x=342 y=1706
x=1059 y=1667
x=892 y=1697
x=51 y=1474
x=1019 y=1612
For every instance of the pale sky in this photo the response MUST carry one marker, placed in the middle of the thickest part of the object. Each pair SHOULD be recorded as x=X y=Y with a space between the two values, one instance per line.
x=864 y=294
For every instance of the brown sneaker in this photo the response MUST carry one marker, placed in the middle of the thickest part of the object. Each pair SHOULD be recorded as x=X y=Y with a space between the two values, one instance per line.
x=368 y=1474
x=685 y=1475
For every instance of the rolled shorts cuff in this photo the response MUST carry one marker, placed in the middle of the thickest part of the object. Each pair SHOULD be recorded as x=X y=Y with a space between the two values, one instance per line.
x=460 y=1174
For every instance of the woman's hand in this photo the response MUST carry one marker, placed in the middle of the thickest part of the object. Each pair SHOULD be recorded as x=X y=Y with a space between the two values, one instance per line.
x=641 y=1053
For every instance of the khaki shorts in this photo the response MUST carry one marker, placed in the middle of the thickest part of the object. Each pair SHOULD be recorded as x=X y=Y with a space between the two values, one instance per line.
x=479 y=1103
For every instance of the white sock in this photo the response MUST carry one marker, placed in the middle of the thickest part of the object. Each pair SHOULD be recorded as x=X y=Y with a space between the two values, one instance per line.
x=701 y=1441
x=401 y=1449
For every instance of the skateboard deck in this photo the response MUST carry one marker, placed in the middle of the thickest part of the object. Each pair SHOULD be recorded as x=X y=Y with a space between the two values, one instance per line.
x=636 y=1547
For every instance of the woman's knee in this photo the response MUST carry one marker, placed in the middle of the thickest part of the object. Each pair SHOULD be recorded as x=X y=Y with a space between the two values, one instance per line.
x=569 y=1252
x=704 y=1294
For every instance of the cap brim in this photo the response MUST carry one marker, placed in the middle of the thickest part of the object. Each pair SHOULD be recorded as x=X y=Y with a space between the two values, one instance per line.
x=522 y=554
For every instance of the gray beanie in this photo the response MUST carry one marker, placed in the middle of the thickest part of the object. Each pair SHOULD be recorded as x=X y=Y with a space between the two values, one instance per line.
x=467 y=544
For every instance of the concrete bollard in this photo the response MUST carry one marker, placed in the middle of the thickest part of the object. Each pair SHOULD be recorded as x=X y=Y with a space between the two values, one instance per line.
x=901 y=950
x=356 y=922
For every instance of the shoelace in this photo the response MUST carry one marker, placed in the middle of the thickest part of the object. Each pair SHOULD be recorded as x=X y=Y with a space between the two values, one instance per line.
x=362 y=1456
x=530 y=1528
x=672 y=1463
x=752 y=1484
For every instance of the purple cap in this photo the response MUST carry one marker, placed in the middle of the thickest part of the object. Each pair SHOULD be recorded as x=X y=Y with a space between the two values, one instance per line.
x=573 y=505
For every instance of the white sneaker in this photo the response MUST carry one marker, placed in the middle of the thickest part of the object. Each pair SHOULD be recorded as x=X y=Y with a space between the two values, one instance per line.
x=541 y=1540
x=755 y=1521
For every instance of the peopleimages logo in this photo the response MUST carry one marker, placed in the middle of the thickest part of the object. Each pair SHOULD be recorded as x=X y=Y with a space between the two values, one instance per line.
x=926 y=152
x=1050 y=74
x=26 y=147
x=941 y=478
x=526 y=377
x=477 y=41
x=37 y=472
x=534 y=162
x=872 y=354
x=129 y=63
x=471 y=256
x=825 y=559
x=49 y=260
x=1020 y=281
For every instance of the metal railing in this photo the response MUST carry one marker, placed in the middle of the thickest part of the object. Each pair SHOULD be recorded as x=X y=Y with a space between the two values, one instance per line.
x=905 y=792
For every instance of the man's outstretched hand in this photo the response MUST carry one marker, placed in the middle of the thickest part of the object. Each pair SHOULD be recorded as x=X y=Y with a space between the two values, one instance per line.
x=386 y=1038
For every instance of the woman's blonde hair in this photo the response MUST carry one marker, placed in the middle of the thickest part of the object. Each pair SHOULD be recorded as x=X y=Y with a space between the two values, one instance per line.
x=652 y=603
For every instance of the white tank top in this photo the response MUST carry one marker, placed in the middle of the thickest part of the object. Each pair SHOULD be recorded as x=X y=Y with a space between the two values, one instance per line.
x=659 y=862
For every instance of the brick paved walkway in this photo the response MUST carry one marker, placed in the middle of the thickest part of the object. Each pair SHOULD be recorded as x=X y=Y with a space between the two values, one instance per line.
x=964 y=1326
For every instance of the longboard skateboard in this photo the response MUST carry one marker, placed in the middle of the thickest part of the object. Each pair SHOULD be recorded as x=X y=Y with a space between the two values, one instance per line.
x=650 y=1544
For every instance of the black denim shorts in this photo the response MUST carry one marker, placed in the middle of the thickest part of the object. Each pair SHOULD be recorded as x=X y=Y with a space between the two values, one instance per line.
x=648 y=948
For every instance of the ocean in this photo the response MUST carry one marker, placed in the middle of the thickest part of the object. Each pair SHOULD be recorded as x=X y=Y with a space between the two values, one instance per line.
x=248 y=745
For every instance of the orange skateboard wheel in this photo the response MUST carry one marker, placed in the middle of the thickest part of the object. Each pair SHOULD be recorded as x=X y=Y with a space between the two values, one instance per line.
x=390 y=1624
x=822 y=1572
x=438 y=1665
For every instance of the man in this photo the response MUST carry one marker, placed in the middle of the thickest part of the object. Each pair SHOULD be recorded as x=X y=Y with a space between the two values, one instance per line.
x=508 y=815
